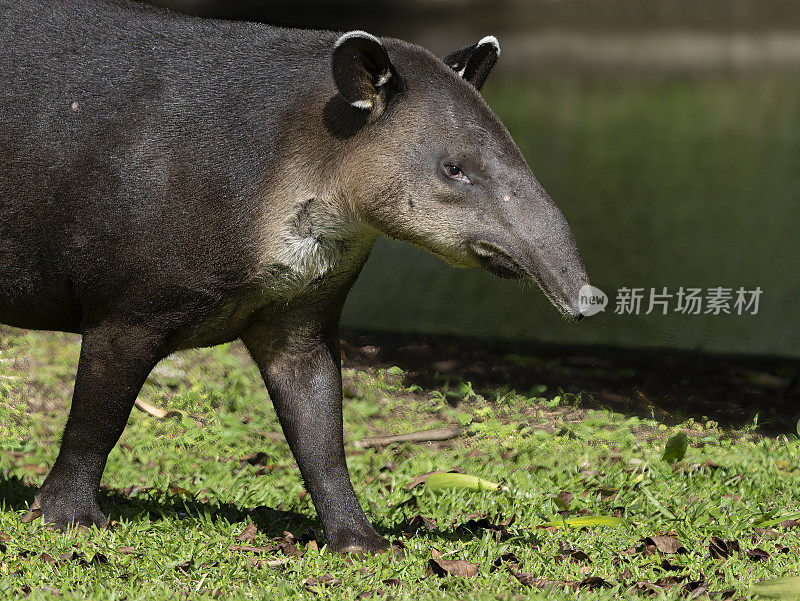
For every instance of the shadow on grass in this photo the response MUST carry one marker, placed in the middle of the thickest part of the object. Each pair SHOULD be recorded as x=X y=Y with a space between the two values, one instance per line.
x=670 y=386
x=134 y=504
x=16 y=495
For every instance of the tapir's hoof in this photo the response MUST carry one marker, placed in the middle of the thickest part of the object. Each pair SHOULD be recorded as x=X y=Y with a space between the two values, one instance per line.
x=61 y=514
x=395 y=551
x=364 y=544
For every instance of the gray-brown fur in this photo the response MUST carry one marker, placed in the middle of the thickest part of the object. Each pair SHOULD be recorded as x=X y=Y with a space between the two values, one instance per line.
x=169 y=182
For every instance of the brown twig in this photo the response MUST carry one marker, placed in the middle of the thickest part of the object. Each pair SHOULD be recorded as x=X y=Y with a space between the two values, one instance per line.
x=424 y=436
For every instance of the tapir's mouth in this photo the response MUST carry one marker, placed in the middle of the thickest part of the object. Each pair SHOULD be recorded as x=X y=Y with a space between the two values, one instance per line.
x=498 y=260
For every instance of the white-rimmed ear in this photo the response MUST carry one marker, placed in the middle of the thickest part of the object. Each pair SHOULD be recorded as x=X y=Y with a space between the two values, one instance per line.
x=362 y=70
x=474 y=63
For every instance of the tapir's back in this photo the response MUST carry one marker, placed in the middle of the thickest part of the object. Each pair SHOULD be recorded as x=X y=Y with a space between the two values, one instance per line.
x=133 y=143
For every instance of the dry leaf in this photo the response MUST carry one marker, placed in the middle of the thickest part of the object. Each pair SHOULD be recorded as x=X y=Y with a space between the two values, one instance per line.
x=325 y=580
x=651 y=544
x=720 y=549
x=509 y=560
x=416 y=523
x=178 y=491
x=274 y=563
x=671 y=567
x=566 y=498
x=248 y=548
x=286 y=544
x=764 y=534
x=757 y=554
x=665 y=544
x=52 y=590
x=455 y=567
x=533 y=581
x=593 y=582
x=257 y=458
x=36 y=469
x=474 y=527
x=31 y=515
x=249 y=533
x=567 y=552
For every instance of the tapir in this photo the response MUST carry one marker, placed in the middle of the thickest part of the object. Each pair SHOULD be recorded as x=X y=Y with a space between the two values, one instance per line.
x=170 y=182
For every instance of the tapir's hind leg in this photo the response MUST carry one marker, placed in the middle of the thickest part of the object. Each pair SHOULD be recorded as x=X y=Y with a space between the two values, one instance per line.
x=114 y=363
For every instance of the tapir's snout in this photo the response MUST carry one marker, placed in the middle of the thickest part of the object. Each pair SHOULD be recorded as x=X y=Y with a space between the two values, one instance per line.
x=539 y=245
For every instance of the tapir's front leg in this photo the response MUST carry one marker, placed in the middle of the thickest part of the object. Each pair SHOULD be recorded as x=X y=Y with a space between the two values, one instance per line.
x=304 y=380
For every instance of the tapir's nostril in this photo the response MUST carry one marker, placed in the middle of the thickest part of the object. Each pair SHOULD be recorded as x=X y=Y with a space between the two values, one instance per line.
x=564 y=269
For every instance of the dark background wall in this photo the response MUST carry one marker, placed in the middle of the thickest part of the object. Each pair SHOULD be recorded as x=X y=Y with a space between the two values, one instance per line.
x=667 y=130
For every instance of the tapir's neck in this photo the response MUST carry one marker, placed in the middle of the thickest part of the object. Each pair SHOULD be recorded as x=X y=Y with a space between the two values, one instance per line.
x=313 y=239
x=313 y=230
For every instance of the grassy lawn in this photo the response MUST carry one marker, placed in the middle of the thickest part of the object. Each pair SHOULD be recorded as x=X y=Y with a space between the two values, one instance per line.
x=208 y=502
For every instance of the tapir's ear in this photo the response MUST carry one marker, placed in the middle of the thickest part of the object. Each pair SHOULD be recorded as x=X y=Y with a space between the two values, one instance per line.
x=474 y=63
x=362 y=70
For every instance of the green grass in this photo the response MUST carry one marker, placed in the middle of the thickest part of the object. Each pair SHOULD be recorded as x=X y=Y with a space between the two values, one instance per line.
x=179 y=492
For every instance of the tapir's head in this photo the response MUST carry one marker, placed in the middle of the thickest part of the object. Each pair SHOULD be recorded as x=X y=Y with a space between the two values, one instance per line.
x=434 y=166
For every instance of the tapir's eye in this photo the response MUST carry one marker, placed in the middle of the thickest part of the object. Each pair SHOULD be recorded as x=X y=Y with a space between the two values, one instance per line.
x=454 y=172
